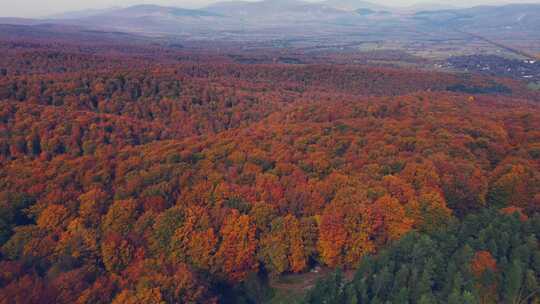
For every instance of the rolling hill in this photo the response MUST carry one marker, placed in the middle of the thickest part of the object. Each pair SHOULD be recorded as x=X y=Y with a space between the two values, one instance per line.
x=352 y=5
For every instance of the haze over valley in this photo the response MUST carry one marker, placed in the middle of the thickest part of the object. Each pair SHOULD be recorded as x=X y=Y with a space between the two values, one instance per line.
x=424 y=30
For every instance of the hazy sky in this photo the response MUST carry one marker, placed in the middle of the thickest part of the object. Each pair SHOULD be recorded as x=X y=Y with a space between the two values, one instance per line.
x=40 y=8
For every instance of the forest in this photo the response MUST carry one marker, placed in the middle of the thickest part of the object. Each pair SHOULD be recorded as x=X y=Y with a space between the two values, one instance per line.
x=147 y=174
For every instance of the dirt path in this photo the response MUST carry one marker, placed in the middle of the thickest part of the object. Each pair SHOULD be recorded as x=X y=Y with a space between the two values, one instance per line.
x=304 y=281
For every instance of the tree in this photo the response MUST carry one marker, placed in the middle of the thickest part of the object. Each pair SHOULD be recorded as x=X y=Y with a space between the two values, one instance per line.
x=164 y=227
x=54 y=217
x=116 y=253
x=429 y=211
x=330 y=290
x=282 y=249
x=236 y=253
x=194 y=242
x=390 y=219
x=120 y=217
x=92 y=205
x=345 y=229
x=482 y=261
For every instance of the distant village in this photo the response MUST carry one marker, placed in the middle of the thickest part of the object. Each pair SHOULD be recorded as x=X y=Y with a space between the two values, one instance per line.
x=528 y=70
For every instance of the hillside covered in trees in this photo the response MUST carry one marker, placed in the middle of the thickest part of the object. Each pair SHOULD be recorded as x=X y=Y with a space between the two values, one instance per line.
x=143 y=174
x=489 y=258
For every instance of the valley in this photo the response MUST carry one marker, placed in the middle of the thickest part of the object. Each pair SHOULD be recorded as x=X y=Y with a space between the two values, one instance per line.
x=271 y=152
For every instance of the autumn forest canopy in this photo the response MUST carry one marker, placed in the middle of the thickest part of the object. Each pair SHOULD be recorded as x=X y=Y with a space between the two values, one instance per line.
x=134 y=173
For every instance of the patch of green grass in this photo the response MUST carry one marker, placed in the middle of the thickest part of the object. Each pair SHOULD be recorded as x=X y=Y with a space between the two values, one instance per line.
x=290 y=280
x=282 y=296
x=535 y=86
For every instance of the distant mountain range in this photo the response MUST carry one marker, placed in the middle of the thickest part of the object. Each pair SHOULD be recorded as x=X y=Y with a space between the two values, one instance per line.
x=233 y=8
x=353 y=5
x=286 y=19
x=284 y=16
x=516 y=15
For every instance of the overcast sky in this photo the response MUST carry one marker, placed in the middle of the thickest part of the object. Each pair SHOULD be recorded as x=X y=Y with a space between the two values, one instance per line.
x=41 y=8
